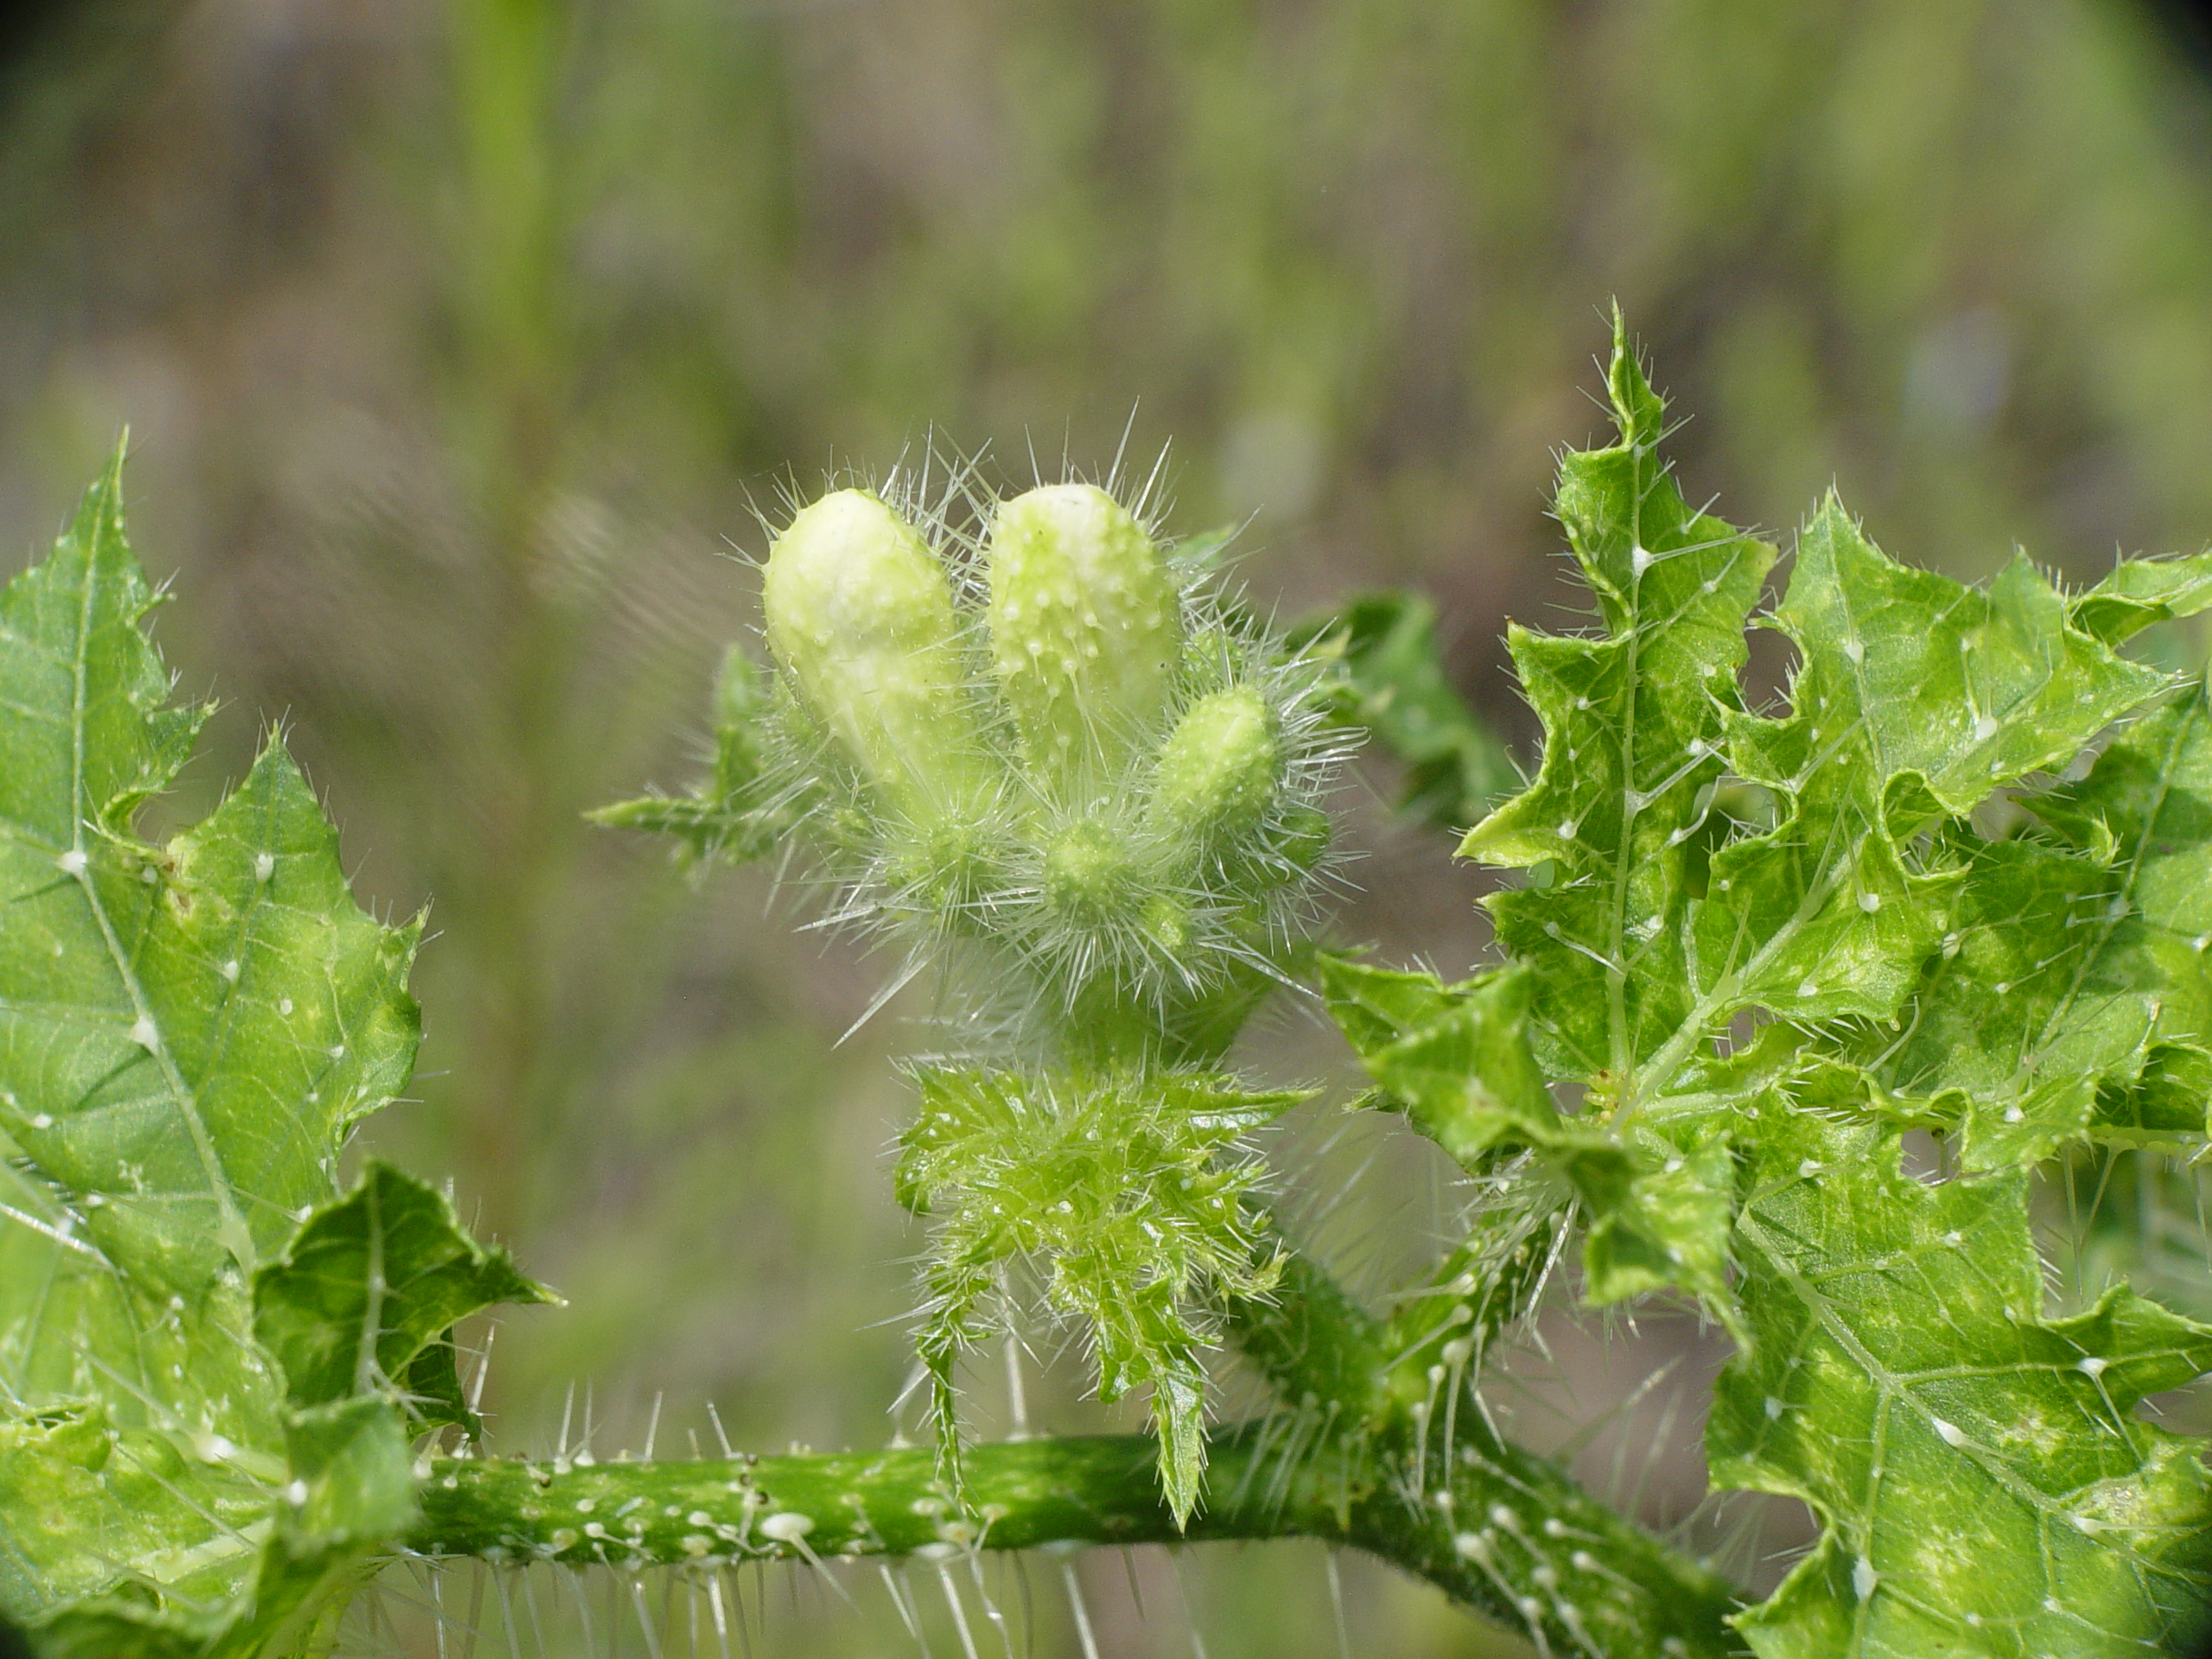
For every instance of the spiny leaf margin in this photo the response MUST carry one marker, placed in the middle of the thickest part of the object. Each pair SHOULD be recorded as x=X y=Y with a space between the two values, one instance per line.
x=187 y=1034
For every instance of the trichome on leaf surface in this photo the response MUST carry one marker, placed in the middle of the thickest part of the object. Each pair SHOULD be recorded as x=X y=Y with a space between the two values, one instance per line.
x=1956 y=884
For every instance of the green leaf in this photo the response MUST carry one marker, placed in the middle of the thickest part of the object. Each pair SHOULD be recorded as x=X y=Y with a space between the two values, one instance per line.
x=90 y=1501
x=2071 y=994
x=351 y=1490
x=350 y=1460
x=1907 y=671
x=1984 y=1484
x=1454 y=1058
x=2140 y=592
x=188 y=1032
x=2041 y=994
x=2145 y=809
x=1395 y=687
x=1126 y=1193
x=1633 y=720
x=1915 y=695
x=361 y=1302
x=1666 y=1225
x=1747 y=935
x=1650 y=921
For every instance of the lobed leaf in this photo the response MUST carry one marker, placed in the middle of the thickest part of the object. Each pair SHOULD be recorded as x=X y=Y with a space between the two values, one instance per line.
x=187 y=1034
x=2141 y=592
x=1457 y=1060
x=2070 y=995
x=1454 y=1058
x=1632 y=723
x=1765 y=943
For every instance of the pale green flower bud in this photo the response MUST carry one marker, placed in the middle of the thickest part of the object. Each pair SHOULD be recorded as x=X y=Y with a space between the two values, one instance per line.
x=1084 y=629
x=1089 y=874
x=861 y=618
x=1219 y=768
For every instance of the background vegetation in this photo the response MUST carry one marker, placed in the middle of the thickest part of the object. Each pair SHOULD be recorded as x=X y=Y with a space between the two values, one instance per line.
x=462 y=341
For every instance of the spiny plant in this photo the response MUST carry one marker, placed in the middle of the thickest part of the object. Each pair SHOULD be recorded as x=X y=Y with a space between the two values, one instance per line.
x=1057 y=767
x=1953 y=884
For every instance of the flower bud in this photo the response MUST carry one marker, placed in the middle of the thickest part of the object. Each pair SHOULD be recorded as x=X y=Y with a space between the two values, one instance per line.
x=1218 y=768
x=1084 y=629
x=861 y=618
x=1089 y=874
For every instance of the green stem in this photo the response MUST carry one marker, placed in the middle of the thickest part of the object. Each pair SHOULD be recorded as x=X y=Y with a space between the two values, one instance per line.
x=1394 y=1461
x=1516 y=1540
x=1441 y=1494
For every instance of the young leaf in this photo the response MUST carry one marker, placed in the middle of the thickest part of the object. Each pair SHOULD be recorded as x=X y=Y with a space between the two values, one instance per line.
x=737 y=813
x=1632 y=723
x=1986 y=1486
x=1128 y=1196
x=1916 y=696
x=350 y=1490
x=2148 y=800
x=1907 y=671
x=1454 y=1058
x=2071 y=994
x=1767 y=943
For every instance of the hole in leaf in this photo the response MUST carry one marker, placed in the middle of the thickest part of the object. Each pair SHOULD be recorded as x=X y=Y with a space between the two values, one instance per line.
x=1922 y=1157
x=1772 y=664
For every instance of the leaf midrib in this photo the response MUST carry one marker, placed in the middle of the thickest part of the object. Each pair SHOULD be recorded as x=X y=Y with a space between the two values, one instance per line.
x=235 y=1236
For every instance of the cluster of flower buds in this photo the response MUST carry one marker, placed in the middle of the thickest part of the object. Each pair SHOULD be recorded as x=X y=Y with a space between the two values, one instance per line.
x=1058 y=745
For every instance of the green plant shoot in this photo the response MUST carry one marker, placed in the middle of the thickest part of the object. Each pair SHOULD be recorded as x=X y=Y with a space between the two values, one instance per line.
x=1951 y=885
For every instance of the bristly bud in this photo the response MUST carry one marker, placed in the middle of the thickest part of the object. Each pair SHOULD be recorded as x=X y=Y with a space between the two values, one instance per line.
x=1085 y=627
x=1219 y=769
x=1069 y=751
x=861 y=617
x=1090 y=874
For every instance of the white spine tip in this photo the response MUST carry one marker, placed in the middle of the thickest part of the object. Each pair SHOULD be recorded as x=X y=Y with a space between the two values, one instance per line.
x=785 y=1525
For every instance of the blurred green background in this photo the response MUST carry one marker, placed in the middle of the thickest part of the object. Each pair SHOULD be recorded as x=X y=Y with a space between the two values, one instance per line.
x=461 y=344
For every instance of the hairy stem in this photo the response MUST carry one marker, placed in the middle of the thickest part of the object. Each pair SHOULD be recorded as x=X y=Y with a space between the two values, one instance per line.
x=1442 y=1494
x=1398 y=1461
x=1486 y=1540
